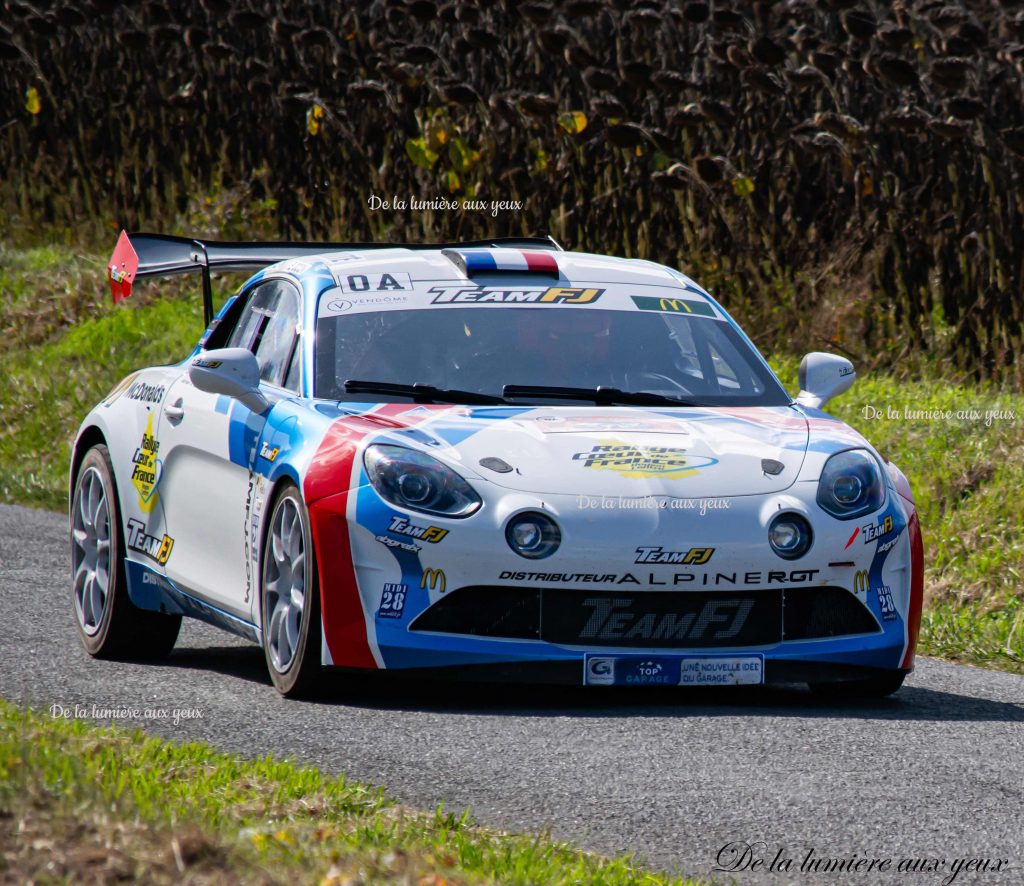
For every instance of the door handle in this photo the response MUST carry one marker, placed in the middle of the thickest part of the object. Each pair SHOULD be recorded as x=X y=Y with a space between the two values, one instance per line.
x=176 y=412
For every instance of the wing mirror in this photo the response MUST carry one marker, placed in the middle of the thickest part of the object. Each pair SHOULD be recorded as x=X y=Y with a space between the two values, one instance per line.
x=822 y=377
x=233 y=372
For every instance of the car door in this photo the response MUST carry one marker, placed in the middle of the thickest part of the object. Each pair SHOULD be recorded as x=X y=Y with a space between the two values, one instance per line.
x=209 y=445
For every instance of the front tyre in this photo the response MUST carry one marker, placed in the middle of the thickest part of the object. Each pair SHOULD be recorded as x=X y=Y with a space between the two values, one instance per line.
x=109 y=624
x=290 y=598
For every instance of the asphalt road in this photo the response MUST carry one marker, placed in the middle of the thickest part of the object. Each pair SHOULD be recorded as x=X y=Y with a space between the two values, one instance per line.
x=934 y=773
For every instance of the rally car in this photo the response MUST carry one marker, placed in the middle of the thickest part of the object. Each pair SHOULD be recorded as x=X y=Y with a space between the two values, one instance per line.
x=491 y=458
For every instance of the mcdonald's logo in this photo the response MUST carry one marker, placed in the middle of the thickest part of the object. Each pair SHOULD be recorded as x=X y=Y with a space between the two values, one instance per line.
x=673 y=305
x=861 y=582
x=434 y=579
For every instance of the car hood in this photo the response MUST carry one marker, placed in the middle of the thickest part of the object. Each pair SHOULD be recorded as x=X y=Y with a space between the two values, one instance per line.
x=614 y=451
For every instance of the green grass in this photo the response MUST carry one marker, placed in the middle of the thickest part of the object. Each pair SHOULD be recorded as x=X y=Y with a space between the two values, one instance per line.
x=966 y=474
x=172 y=809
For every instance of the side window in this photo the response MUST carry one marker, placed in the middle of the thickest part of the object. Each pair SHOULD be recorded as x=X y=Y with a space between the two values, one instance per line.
x=268 y=327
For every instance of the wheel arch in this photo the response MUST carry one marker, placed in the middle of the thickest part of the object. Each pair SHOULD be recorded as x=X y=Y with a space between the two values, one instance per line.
x=87 y=438
x=284 y=478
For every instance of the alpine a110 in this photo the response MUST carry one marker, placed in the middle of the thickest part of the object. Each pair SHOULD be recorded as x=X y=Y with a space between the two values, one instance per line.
x=497 y=459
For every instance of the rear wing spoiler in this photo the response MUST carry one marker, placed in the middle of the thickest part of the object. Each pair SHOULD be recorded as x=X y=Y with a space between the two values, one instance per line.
x=159 y=255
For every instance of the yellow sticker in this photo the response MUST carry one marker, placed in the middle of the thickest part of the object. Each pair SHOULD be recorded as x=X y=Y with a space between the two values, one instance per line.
x=147 y=467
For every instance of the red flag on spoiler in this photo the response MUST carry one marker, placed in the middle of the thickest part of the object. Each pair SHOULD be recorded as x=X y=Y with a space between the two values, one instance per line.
x=121 y=270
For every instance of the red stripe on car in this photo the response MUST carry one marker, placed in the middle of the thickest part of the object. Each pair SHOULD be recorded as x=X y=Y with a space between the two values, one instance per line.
x=916 y=588
x=543 y=262
x=329 y=479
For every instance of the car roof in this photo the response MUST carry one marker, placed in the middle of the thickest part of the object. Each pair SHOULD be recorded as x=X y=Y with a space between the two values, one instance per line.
x=455 y=265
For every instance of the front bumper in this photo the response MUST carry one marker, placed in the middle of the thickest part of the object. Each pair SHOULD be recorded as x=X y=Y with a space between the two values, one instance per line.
x=464 y=600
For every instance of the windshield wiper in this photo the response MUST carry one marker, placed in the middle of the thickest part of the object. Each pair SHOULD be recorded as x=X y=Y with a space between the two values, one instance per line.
x=600 y=395
x=420 y=393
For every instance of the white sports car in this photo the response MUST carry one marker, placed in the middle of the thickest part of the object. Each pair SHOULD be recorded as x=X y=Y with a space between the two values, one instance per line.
x=496 y=458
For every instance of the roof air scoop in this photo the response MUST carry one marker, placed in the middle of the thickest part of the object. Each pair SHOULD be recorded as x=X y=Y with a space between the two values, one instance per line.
x=503 y=261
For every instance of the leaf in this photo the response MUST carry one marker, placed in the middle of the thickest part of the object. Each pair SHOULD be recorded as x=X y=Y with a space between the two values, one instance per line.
x=742 y=186
x=32 y=103
x=313 y=117
x=573 y=122
x=462 y=156
x=452 y=179
x=419 y=153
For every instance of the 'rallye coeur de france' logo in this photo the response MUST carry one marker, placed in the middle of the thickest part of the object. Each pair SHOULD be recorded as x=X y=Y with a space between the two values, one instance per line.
x=629 y=460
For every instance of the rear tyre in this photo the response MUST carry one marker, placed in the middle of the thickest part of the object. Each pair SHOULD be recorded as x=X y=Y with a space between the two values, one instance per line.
x=871 y=687
x=290 y=598
x=109 y=624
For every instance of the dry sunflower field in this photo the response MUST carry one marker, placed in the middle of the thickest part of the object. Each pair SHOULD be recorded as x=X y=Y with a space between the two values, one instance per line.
x=843 y=173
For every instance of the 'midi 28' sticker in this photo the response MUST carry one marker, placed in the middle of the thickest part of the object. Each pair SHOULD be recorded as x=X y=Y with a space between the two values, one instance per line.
x=392 y=601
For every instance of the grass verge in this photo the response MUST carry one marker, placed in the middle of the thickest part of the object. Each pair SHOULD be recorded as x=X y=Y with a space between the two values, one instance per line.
x=63 y=347
x=80 y=802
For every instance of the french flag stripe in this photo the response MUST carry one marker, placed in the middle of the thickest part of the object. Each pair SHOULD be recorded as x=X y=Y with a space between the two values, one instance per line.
x=479 y=261
x=543 y=262
x=509 y=260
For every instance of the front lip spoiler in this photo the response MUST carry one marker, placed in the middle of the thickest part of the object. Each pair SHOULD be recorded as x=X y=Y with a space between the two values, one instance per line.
x=569 y=672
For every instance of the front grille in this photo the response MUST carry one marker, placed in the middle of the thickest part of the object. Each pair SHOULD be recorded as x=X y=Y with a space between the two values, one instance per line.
x=661 y=619
x=816 y=613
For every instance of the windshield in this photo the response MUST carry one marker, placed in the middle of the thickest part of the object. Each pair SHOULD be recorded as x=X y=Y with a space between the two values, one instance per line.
x=697 y=359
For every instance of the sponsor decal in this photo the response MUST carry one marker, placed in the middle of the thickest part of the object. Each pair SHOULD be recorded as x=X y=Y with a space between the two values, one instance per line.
x=856 y=532
x=875 y=531
x=889 y=545
x=268 y=453
x=673 y=305
x=295 y=266
x=886 y=603
x=146 y=393
x=401 y=545
x=629 y=460
x=251 y=527
x=613 y=619
x=692 y=557
x=375 y=282
x=431 y=534
x=596 y=424
x=392 y=601
x=552 y=295
x=340 y=305
x=147 y=468
x=155 y=547
x=151 y=578
x=685 y=579
x=861 y=582
x=120 y=388
x=721 y=671
x=203 y=363
x=689 y=670
x=599 y=671
x=434 y=579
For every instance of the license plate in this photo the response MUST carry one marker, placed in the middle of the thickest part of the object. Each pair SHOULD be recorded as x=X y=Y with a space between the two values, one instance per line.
x=674 y=670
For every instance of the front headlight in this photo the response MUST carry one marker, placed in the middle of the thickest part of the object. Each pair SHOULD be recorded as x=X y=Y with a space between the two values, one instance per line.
x=414 y=480
x=851 y=485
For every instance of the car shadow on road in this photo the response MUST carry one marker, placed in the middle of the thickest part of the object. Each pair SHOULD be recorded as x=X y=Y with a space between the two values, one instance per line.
x=398 y=692
x=910 y=703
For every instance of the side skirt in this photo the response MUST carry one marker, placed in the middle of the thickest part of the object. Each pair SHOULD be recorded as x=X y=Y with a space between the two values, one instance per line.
x=147 y=589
